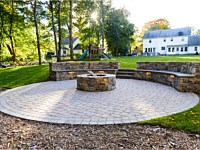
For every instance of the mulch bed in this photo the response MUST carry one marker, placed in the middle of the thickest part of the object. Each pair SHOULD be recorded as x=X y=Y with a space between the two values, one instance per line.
x=18 y=133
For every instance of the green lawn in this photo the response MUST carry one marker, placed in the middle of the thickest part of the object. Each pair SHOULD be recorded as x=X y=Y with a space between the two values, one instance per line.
x=188 y=120
x=130 y=61
x=12 y=77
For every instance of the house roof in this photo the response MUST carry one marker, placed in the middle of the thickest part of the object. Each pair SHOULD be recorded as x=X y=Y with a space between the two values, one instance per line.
x=194 y=40
x=136 y=51
x=78 y=47
x=167 y=33
x=66 y=41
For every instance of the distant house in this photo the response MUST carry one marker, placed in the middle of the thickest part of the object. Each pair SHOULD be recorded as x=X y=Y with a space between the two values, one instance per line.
x=76 y=47
x=135 y=52
x=171 y=42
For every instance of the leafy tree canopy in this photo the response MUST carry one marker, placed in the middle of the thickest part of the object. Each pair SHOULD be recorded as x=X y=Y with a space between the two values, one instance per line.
x=119 y=32
x=156 y=25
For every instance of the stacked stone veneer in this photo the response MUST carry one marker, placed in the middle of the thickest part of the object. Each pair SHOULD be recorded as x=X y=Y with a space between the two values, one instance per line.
x=183 y=84
x=105 y=82
x=69 y=70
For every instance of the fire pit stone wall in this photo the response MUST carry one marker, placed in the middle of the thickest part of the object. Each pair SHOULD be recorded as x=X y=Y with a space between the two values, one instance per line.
x=97 y=83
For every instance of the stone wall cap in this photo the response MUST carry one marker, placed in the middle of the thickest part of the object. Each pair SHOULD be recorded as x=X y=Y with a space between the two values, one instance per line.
x=179 y=74
x=97 y=76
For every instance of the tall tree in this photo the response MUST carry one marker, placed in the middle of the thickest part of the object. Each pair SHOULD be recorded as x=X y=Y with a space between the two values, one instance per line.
x=1 y=31
x=104 y=7
x=11 y=49
x=37 y=31
x=119 y=32
x=59 y=32
x=53 y=26
x=70 y=29
x=102 y=23
x=83 y=22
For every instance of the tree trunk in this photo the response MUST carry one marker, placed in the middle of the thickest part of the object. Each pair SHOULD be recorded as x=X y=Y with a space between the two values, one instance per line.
x=1 y=52
x=59 y=33
x=1 y=36
x=116 y=52
x=53 y=26
x=12 y=50
x=102 y=24
x=70 y=30
x=37 y=32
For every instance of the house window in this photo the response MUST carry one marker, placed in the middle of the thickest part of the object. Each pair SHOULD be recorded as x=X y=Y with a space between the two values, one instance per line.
x=64 y=53
x=181 y=49
x=185 y=49
x=163 y=48
x=169 y=49
x=173 y=49
x=177 y=49
x=195 y=48
x=145 y=49
x=171 y=39
x=164 y=40
x=149 y=41
x=149 y=50
x=154 y=49
x=182 y=39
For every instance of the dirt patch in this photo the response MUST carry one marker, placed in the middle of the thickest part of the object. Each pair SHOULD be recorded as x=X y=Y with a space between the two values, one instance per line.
x=24 y=134
x=2 y=90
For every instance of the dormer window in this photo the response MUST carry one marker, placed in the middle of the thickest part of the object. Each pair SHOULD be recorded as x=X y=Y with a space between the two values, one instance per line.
x=180 y=33
x=149 y=41
x=171 y=39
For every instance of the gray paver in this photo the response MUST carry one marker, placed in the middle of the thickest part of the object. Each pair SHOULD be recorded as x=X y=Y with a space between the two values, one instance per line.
x=61 y=102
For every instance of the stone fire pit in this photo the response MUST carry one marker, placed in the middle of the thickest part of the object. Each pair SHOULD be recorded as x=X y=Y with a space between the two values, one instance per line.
x=96 y=82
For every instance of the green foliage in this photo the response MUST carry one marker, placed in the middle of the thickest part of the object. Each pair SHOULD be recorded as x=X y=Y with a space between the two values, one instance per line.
x=118 y=32
x=156 y=25
x=19 y=33
x=17 y=29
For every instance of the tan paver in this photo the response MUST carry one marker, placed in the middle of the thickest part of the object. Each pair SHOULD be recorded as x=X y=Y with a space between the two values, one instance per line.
x=61 y=102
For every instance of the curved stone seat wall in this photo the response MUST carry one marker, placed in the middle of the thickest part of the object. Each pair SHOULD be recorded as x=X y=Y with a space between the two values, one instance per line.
x=183 y=67
x=69 y=70
x=168 y=73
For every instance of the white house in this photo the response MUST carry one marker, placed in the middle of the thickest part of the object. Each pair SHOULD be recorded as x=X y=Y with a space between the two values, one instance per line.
x=170 y=42
x=76 y=47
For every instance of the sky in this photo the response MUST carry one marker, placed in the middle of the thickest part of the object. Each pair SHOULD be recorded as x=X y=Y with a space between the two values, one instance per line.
x=180 y=13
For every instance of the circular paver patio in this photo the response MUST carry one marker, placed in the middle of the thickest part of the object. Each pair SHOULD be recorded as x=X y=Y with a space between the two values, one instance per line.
x=61 y=102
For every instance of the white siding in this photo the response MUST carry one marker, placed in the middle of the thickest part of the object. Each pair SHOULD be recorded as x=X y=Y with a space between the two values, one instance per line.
x=76 y=42
x=191 y=49
x=158 y=43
